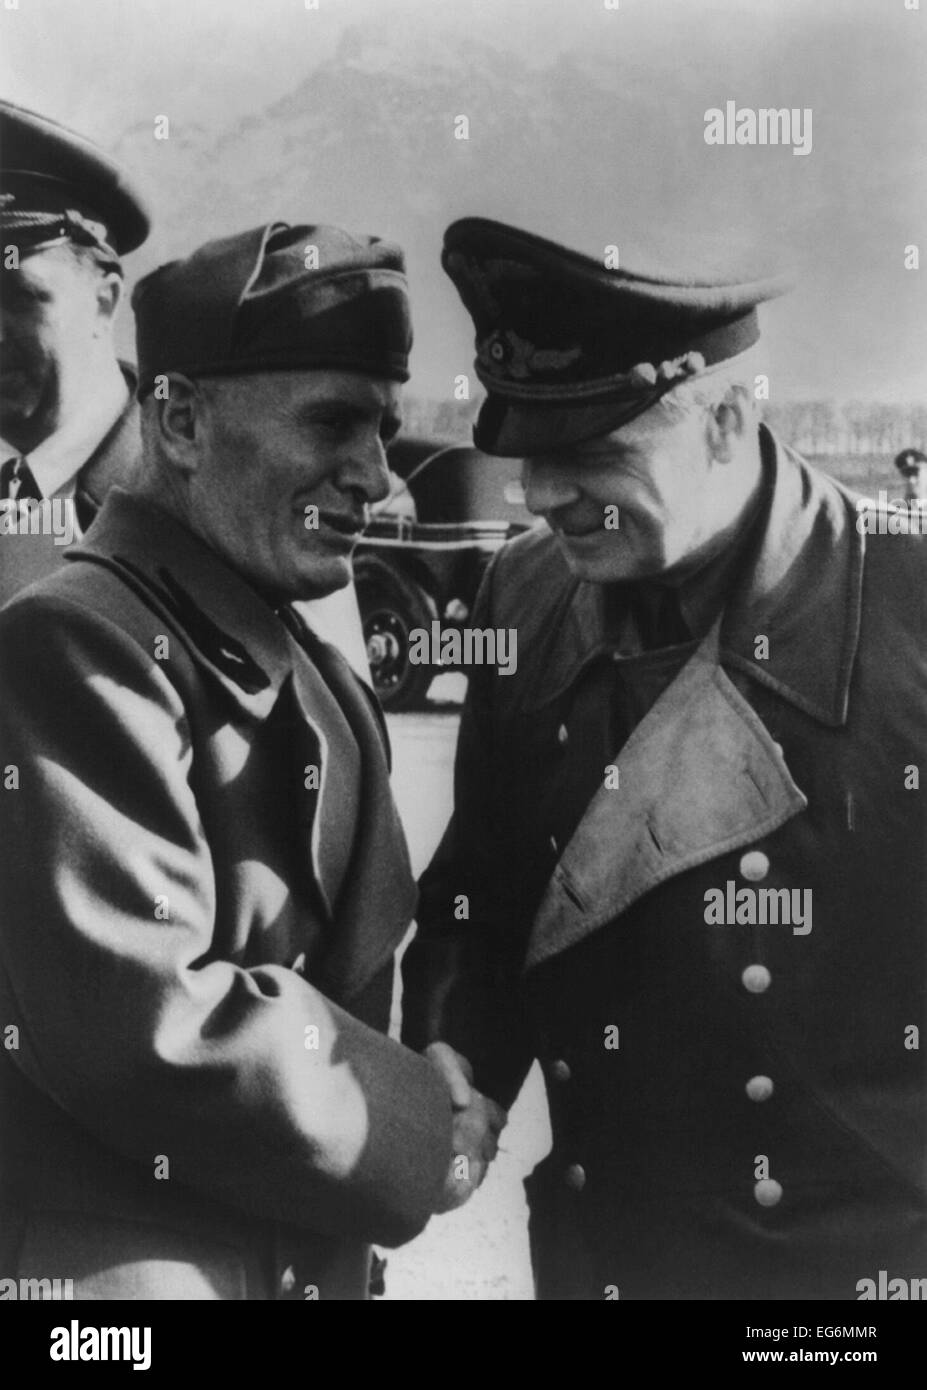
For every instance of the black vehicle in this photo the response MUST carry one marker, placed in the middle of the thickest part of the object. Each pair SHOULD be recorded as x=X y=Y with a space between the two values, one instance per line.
x=424 y=552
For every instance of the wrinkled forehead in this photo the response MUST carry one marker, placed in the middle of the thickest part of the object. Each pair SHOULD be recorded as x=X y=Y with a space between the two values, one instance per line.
x=297 y=386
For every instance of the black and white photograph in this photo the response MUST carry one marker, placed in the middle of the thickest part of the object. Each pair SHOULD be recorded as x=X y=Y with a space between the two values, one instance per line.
x=463 y=661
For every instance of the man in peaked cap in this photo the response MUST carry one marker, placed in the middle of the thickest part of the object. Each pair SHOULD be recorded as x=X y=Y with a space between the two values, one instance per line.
x=205 y=879
x=912 y=465
x=68 y=419
x=688 y=827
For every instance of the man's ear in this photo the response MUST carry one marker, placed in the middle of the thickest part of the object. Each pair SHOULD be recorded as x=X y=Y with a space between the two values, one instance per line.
x=726 y=426
x=182 y=423
x=110 y=290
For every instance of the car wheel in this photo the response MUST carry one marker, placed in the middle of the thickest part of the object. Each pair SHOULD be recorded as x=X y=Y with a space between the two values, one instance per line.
x=391 y=606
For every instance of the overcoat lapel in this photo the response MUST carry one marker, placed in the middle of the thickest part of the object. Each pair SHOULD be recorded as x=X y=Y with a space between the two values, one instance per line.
x=235 y=639
x=378 y=896
x=699 y=777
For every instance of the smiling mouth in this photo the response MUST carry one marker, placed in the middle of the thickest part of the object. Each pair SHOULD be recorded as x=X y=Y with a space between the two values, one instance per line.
x=573 y=533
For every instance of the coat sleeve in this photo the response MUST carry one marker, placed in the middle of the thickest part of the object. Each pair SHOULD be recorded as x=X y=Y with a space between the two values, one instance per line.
x=128 y=1021
x=462 y=977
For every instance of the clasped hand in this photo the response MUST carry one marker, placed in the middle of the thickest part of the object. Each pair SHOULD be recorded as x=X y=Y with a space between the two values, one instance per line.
x=478 y=1122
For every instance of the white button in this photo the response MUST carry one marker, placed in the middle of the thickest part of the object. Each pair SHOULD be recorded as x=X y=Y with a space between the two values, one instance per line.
x=760 y=1088
x=553 y=844
x=754 y=866
x=768 y=1192
x=756 y=978
x=288 y=1280
x=563 y=734
x=560 y=1070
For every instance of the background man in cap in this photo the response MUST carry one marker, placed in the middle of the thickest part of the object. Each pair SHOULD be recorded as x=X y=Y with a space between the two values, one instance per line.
x=205 y=878
x=68 y=418
x=688 y=827
x=912 y=465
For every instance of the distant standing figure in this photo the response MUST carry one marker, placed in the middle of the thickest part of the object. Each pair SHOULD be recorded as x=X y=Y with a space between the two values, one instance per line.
x=912 y=465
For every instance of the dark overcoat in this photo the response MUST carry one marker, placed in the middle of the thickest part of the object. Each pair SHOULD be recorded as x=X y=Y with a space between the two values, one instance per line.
x=737 y=1102
x=204 y=881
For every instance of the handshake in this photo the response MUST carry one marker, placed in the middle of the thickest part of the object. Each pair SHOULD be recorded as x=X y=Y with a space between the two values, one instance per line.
x=478 y=1123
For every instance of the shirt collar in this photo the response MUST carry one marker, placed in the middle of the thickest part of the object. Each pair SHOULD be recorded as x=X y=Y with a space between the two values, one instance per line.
x=56 y=462
x=798 y=584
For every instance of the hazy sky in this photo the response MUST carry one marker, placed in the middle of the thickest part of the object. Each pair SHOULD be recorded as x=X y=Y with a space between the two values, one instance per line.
x=843 y=215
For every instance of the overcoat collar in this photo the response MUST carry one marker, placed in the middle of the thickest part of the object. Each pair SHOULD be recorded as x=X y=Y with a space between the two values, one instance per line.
x=802 y=591
x=700 y=776
x=229 y=627
x=259 y=658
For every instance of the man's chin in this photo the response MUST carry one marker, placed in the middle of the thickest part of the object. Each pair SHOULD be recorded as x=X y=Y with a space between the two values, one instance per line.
x=601 y=566
x=327 y=578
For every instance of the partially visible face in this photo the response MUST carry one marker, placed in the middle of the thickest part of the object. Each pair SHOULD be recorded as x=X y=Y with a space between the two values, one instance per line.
x=277 y=443
x=49 y=316
x=654 y=470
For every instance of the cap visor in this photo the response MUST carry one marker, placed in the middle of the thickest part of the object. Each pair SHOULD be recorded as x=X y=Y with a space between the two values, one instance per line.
x=509 y=429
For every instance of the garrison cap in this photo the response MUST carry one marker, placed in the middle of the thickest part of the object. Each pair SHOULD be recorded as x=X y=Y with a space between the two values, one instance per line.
x=568 y=349
x=909 y=461
x=56 y=186
x=274 y=299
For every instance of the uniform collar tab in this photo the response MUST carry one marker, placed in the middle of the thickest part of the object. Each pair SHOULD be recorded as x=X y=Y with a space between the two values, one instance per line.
x=231 y=627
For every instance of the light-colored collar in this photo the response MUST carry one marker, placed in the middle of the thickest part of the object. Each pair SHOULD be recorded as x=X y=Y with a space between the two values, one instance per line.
x=56 y=462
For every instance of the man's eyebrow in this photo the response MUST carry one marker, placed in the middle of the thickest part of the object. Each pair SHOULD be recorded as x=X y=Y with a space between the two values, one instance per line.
x=355 y=410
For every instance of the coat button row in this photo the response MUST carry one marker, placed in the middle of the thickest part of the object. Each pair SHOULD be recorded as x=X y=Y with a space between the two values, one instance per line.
x=768 y=1192
x=560 y=1070
x=756 y=979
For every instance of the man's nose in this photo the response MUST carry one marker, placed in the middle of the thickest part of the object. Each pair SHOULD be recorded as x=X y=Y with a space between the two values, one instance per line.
x=547 y=486
x=367 y=472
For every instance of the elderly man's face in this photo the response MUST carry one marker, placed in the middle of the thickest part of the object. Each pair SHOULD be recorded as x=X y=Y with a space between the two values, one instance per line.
x=289 y=462
x=657 y=471
x=49 y=316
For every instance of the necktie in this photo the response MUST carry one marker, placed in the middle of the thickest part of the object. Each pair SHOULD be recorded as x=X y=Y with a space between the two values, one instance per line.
x=17 y=482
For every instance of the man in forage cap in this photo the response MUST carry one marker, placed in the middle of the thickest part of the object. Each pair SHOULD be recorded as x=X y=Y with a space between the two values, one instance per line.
x=205 y=876
x=688 y=828
x=69 y=424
